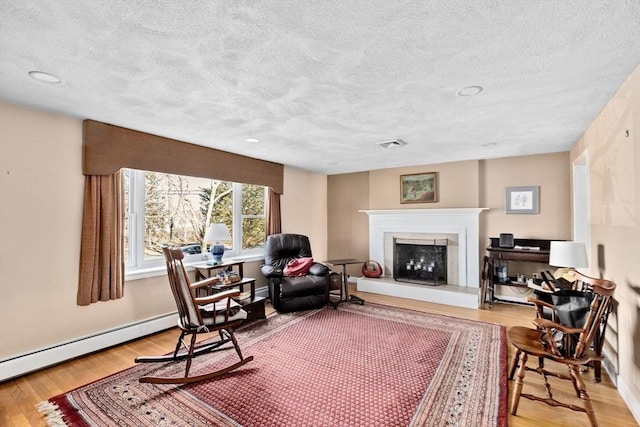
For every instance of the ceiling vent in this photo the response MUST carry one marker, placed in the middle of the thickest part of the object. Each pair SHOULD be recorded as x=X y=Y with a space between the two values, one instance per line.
x=393 y=144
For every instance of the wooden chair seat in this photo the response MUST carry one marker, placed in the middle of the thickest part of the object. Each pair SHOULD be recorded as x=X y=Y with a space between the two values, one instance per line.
x=531 y=341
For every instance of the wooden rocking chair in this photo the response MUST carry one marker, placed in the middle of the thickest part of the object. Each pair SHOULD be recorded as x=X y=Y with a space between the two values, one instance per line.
x=198 y=315
x=578 y=349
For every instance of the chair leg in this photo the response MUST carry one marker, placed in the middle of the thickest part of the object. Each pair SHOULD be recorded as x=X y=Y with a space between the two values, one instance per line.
x=517 y=390
x=190 y=358
x=235 y=343
x=597 y=371
x=177 y=350
x=514 y=364
x=582 y=393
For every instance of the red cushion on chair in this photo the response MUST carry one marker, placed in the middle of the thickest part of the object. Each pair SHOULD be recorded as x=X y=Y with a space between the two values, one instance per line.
x=298 y=266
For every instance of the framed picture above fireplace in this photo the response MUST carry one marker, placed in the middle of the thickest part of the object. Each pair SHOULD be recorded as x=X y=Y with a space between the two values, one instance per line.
x=419 y=188
x=522 y=200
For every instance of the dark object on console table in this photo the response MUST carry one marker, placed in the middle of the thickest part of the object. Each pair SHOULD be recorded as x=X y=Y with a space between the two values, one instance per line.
x=526 y=250
x=506 y=240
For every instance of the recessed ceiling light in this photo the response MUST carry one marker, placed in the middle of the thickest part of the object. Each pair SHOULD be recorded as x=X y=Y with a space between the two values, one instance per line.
x=45 y=77
x=470 y=91
x=252 y=140
x=489 y=144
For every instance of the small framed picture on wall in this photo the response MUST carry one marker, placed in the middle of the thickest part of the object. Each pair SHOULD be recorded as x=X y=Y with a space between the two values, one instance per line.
x=419 y=188
x=522 y=200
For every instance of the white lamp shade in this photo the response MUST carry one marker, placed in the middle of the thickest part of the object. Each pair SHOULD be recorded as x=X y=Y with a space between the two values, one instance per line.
x=568 y=254
x=217 y=233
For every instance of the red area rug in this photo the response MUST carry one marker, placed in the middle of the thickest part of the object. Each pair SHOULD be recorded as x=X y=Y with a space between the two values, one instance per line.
x=365 y=365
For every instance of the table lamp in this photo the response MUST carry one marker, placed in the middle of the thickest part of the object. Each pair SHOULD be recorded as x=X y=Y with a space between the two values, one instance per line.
x=568 y=256
x=217 y=233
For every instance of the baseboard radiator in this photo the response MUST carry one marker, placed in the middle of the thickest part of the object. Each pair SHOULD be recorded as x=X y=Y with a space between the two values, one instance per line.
x=29 y=362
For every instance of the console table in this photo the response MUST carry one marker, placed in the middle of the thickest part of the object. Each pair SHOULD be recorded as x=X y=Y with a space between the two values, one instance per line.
x=527 y=250
x=253 y=305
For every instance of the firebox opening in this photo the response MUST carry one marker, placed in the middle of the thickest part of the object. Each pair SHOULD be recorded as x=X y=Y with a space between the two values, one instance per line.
x=422 y=261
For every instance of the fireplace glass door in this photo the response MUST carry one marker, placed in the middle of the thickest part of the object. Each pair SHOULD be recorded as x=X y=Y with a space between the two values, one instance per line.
x=420 y=261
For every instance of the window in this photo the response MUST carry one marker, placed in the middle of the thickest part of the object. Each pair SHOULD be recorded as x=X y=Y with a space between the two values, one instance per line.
x=164 y=209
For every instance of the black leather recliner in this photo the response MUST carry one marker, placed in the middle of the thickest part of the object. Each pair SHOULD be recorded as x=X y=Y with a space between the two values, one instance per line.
x=293 y=293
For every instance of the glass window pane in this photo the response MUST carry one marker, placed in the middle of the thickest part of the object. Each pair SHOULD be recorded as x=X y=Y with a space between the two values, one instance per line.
x=253 y=233
x=221 y=209
x=252 y=200
x=176 y=208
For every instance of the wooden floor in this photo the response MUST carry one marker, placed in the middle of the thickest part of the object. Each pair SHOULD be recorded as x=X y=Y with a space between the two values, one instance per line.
x=18 y=397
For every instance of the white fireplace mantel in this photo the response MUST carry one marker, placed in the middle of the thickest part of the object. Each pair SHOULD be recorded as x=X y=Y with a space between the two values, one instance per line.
x=407 y=212
x=464 y=222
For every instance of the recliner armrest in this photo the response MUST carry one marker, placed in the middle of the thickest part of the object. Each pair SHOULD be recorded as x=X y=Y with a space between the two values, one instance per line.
x=318 y=269
x=270 y=271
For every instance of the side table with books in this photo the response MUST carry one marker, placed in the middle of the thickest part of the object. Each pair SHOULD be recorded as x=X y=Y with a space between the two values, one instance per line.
x=230 y=275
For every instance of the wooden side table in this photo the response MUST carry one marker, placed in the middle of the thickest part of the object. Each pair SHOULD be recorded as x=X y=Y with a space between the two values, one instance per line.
x=253 y=305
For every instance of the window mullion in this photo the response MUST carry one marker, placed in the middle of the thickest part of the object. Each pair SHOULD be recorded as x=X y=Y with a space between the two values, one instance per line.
x=139 y=217
x=237 y=218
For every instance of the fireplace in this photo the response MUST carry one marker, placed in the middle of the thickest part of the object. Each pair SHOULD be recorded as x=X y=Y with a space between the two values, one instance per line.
x=422 y=261
x=458 y=226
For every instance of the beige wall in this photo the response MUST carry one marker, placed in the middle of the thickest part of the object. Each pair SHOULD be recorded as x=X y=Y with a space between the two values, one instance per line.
x=41 y=189
x=349 y=236
x=614 y=180
x=468 y=184
x=304 y=208
x=551 y=173
x=457 y=186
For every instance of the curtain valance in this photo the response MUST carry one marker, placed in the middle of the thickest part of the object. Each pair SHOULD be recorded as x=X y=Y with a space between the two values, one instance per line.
x=108 y=148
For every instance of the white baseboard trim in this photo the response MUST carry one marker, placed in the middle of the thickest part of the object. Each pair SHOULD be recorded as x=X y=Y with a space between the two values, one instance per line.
x=29 y=362
x=629 y=399
x=25 y=363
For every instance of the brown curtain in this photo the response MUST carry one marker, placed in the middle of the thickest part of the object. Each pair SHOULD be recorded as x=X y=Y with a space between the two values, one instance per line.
x=102 y=246
x=273 y=223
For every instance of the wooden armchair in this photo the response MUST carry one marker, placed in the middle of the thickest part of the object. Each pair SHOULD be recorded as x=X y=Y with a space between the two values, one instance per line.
x=545 y=309
x=214 y=313
x=539 y=342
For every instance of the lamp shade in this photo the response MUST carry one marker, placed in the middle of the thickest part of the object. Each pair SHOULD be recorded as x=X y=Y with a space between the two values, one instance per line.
x=216 y=233
x=568 y=254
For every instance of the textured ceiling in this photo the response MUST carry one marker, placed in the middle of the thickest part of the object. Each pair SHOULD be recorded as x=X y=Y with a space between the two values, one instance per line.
x=322 y=83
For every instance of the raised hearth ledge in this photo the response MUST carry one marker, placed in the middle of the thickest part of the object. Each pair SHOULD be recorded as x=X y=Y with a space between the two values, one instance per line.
x=457 y=296
x=465 y=222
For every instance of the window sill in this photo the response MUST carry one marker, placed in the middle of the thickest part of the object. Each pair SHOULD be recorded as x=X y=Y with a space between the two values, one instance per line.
x=161 y=270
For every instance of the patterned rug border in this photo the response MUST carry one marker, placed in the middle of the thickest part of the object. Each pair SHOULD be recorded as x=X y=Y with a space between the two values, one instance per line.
x=62 y=410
